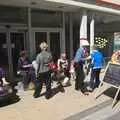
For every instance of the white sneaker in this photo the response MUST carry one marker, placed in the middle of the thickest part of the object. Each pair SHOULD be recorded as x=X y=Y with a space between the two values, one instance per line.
x=66 y=79
x=89 y=89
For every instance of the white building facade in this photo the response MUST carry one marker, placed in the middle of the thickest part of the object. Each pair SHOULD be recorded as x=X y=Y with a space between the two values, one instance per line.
x=24 y=24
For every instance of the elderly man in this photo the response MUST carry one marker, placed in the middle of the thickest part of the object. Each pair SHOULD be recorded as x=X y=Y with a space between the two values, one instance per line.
x=43 y=71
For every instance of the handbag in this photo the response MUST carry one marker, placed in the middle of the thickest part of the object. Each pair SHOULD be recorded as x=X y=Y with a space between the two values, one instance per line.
x=52 y=66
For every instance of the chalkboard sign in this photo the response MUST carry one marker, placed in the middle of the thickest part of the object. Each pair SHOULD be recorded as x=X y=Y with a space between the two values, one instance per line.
x=112 y=75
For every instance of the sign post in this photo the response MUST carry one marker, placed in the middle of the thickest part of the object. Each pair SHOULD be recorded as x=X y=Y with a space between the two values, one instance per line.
x=114 y=100
x=111 y=77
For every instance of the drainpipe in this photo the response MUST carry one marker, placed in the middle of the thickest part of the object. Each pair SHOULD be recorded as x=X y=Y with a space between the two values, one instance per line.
x=71 y=36
x=62 y=45
x=9 y=49
x=29 y=34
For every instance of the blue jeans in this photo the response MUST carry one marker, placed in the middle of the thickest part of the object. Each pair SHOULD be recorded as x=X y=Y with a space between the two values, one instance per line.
x=43 y=78
x=95 y=78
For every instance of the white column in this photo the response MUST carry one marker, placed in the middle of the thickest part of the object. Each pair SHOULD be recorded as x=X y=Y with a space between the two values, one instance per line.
x=71 y=37
x=63 y=34
x=83 y=26
x=92 y=25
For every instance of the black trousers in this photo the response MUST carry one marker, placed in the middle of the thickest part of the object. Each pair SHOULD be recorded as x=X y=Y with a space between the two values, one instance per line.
x=27 y=77
x=43 y=78
x=80 y=76
x=95 y=78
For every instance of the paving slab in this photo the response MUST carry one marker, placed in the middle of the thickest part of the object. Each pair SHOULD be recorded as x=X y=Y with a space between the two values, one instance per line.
x=59 y=107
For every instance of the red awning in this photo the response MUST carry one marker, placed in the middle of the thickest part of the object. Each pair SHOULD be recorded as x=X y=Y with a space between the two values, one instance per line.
x=113 y=2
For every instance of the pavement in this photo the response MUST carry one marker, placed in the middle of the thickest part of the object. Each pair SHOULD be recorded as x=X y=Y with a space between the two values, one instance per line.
x=68 y=105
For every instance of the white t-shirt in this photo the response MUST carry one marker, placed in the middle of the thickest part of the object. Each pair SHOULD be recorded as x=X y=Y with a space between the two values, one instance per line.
x=62 y=63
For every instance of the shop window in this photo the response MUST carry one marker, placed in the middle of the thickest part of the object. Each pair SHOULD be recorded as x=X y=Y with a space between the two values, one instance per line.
x=13 y=14
x=45 y=18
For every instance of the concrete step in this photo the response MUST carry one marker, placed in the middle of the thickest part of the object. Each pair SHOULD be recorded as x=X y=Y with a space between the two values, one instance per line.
x=102 y=111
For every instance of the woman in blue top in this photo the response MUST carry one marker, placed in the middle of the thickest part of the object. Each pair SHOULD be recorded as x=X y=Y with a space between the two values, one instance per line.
x=96 y=64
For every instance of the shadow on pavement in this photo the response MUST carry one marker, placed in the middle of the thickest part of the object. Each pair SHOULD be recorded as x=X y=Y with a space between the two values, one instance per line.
x=56 y=90
x=7 y=102
x=111 y=92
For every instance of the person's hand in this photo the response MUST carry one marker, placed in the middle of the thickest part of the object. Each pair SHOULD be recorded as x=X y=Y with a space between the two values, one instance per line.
x=88 y=58
x=26 y=66
x=5 y=83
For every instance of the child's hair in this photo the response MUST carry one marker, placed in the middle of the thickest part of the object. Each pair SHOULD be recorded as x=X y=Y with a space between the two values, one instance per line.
x=23 y=53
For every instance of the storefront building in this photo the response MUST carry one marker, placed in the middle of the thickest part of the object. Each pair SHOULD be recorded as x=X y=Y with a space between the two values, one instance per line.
x=24 y=24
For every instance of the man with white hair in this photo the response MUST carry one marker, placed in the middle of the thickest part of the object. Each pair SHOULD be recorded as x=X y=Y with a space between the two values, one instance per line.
x=43 y=71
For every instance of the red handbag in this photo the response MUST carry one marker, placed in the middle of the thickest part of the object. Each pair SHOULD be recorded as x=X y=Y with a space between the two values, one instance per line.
x=53 y=66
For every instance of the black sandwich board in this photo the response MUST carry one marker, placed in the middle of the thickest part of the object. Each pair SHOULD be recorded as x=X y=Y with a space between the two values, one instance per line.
x=112 y=77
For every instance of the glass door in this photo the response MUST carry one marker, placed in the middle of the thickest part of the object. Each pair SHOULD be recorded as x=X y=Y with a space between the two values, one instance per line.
x=53 y=40
x=17 y=44
x=4 y=52
x=40 y=37
x=11 y=43
x=55 y=44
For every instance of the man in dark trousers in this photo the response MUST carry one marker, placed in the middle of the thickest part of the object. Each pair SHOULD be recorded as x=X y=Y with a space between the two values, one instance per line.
x=43 y=71
x=80 y=55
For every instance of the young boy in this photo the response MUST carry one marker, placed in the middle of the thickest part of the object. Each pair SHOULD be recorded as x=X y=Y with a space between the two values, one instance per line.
x=63 y=67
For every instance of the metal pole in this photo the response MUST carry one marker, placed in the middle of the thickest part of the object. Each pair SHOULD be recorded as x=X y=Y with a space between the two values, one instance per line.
x=9 y=48
x=63 y=34
x=29 y=33
x=71 y=37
